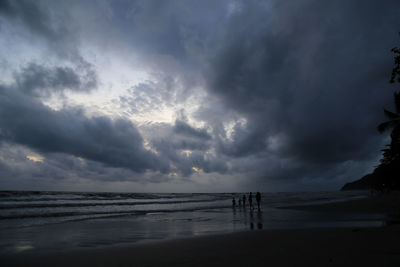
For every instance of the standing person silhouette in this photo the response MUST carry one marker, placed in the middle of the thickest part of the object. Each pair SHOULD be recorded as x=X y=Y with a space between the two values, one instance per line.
x=233 y=202
x=251 y=200
x=244 y=201
x=258 y=199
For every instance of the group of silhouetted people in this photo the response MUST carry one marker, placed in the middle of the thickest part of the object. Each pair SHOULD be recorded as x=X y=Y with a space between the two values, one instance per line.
x=242 y=201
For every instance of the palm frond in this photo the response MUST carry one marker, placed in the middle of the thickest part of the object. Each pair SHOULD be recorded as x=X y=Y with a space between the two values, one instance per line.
x=387 y=125
x=397 y=101
x=390 y=114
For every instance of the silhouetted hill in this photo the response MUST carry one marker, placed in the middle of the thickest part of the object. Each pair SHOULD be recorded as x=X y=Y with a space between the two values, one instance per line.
x=362 y=184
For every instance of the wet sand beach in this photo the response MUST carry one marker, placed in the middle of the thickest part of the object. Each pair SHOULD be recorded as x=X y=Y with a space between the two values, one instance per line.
x=303 y=247
x=385 y=203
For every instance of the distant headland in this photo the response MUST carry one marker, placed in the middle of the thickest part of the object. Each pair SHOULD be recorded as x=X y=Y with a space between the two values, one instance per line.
x=365 y=183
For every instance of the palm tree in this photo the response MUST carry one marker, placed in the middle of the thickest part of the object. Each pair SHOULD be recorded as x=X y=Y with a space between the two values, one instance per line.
x=393 y=122
x=396 y=68
x=389 y=167
x=387 y=174
x=394 y=117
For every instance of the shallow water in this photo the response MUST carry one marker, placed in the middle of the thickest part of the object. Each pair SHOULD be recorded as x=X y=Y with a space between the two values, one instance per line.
x=63 y=220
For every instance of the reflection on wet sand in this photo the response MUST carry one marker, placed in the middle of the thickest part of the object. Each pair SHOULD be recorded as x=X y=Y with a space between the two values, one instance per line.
x=250 y=218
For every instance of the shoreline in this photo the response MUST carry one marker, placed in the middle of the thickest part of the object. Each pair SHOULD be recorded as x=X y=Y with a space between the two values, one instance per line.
x=386 y=203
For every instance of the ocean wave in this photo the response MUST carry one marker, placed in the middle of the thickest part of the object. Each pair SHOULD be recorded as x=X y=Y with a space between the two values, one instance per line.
x=90 y=204
x=27 y=196
x=119 y=213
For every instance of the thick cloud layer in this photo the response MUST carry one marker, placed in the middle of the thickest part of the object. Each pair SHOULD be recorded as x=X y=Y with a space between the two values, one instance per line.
x=308 y=77
x=36 y=79
x=32 y=16
x=241 y=94
x=25 y=120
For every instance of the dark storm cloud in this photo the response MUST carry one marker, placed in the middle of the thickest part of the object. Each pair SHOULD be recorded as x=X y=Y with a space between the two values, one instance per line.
x=17 y=171
x=48 y=24
x=37 y=79
x=167 y=28
x=33 y=16
x=311 y=75
x=117 y=144
x=183 y=128
x=185 y=150
x=295 y=89
x=25 y=120
x=183 y=161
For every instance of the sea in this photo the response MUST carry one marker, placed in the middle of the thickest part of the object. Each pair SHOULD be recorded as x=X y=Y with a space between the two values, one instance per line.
x=47 y=221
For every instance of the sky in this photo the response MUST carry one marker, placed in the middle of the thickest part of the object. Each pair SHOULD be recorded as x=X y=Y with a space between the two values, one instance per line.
x=193 y=96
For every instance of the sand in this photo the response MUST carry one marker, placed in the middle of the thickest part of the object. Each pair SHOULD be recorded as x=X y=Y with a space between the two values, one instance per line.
x=386 y=203
x=298 y=247
x=304 y=247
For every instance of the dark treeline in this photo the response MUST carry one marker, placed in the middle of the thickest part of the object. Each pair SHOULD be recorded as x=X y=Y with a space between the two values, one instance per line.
x=386 y=175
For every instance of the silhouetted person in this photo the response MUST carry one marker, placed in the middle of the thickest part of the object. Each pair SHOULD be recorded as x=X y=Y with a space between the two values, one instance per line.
x=258 y=199
x=251 y=200
x=244 y=201
x=233 y=202
x=240 y=202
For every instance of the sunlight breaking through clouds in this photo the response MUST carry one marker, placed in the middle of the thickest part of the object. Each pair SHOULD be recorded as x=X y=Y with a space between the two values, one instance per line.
x=35 y=158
